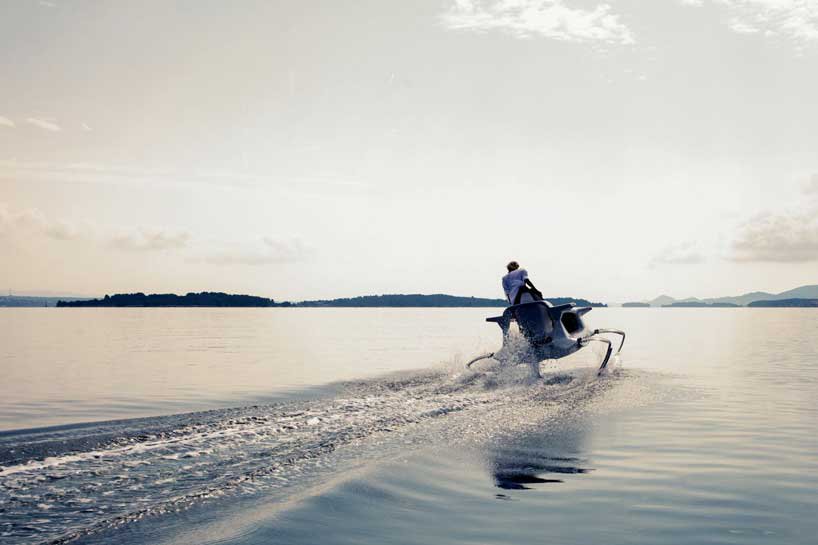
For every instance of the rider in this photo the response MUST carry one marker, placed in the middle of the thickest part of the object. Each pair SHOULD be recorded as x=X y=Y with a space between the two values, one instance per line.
x=518 y=287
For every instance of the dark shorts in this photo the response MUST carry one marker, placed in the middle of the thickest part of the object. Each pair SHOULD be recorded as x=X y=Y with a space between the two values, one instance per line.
x=535 y=294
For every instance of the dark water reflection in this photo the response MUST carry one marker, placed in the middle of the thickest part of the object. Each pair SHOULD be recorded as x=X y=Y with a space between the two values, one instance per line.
x=544 y=457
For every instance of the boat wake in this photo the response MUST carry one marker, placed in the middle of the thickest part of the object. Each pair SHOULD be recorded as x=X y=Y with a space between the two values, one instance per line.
x=61 y=484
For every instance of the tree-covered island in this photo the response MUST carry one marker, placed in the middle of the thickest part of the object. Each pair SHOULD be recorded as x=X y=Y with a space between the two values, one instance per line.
x=218 y=299
x=203 y=299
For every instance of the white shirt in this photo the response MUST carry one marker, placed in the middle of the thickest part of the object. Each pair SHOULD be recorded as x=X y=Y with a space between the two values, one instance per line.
x=512 y=282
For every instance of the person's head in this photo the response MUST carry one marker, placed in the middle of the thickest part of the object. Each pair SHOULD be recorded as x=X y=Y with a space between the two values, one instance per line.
x=512 y=266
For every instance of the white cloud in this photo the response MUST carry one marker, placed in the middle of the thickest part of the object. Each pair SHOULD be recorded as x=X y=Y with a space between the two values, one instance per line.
x=6 y=122
x=794 y=19
x=45 y=124
x=86 y=127
x=146 y=240
x=778 y=238
x=273 y=251
x=33 y=221
x=789 y=236
x=546 y=18
x=684 y=253
x=741 y=27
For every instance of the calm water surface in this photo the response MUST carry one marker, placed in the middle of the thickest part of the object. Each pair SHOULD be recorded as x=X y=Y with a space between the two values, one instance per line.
x=79 y=365
x=706 y=431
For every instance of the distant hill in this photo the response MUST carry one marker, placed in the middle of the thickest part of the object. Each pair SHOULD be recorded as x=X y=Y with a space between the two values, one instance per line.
x=405 y=300
x=204 y=299
x=662 y=300
x=745 y=299
x=803 y=292
x=786 y=303
x=700 y=304
x=30 y=301
x=633 y=304
x=431 y=301
x=217 y=299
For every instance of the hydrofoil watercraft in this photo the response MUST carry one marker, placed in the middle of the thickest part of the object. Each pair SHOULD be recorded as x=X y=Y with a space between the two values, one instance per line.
x=547 y=332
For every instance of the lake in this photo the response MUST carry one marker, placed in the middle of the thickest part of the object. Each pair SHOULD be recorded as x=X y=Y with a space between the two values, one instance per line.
x=291 y=426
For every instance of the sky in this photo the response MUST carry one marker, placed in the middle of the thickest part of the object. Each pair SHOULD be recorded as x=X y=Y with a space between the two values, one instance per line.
x=303 y=150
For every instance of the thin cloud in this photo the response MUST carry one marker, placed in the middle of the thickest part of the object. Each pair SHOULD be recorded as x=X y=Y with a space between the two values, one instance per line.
x=539 y=18
x=778 y=238
x=120 y=174
x=272 y=251
x=145 y=240
x=742 y=27
x=6 y=122
x=86 y=127
x=794 y=19
x=45 y=124
x=33 y=221
x=685 y=253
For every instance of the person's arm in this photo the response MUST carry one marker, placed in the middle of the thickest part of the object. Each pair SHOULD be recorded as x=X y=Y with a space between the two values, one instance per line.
x=533 y=288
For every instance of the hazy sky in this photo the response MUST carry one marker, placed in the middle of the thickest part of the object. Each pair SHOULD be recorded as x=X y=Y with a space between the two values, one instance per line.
x=305 y=149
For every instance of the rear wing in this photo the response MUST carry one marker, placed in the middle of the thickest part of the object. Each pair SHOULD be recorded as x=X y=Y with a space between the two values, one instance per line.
x=553 y=311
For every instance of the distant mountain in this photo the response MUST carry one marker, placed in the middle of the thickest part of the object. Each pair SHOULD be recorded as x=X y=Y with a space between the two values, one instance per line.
x=634 y=304
x=803 y=292
x=813 y=303
x=661 y=301
x=745 y=299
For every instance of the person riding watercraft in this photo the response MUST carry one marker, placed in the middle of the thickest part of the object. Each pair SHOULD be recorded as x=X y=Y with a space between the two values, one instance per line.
x=546 y=331
x=517 y=287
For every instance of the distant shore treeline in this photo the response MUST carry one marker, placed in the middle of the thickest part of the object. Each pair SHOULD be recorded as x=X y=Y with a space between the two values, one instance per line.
x=786 y=303
x=700 y=304
x=217 y=299
x=203 y=299
x=774 y=303
x=29 y=301
x=435 y=300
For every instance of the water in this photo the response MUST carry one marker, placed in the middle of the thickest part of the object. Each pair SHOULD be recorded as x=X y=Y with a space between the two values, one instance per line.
x=360 y=426
x=62 y=366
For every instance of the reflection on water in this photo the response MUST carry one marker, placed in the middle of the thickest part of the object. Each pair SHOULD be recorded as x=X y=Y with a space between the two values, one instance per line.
x=544 y=456
x=531 y=469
